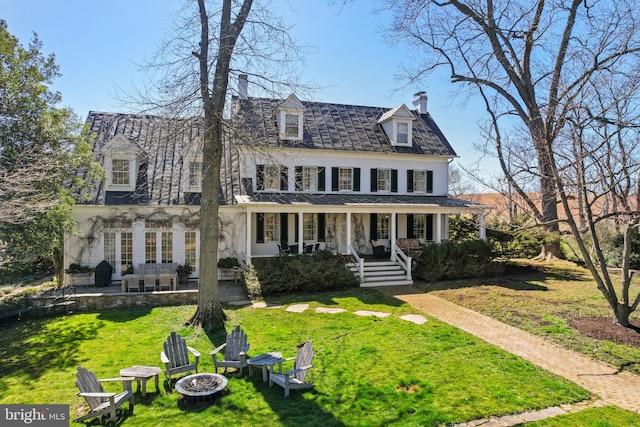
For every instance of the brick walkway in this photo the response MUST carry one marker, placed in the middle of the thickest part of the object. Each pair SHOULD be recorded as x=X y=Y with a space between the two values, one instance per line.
x=616 y=388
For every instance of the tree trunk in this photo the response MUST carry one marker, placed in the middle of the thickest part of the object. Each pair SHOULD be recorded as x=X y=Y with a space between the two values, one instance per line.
x=622 y=314
x=549 y=251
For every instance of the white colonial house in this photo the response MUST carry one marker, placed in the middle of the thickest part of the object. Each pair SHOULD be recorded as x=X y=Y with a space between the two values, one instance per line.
x=296 y=176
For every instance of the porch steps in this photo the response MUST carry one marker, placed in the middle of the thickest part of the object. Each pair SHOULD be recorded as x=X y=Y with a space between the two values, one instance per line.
x=381 y=273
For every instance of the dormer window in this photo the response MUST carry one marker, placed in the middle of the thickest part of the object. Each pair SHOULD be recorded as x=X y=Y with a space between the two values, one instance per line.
x=194 y=179
x=398 y=126
x=290 y=119
x=120 y=172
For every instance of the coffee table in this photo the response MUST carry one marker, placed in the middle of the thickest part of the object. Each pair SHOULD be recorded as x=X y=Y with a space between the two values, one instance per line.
x=264 y=361
x=142 y=374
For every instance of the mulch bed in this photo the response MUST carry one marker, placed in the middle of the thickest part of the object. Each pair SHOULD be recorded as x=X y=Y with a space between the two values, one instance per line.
x=603 y=328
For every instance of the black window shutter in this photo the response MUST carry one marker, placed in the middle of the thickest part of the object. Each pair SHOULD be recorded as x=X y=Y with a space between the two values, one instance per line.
x=410 y=181
x=259 y=177
x=429 y=226
x=284 y=227
x=429 y=181
x=410 y=234
x=298 y=178
x=334 y=178
x=284 y=178
x=373 y=226
x=297 y=235
x=321 y=178
x=259 y=228
x=394 y=180
x=321 y=225
x=374 y=180
x=356 y=179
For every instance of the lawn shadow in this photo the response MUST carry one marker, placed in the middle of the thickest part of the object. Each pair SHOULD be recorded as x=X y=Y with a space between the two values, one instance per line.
x=36 y=346
x=120 y=315
x=330 y=298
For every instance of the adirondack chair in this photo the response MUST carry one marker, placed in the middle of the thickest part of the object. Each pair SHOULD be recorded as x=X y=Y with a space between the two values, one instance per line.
x=176 y=356
x=99 y=401
x=235 y=353
x=295 y=378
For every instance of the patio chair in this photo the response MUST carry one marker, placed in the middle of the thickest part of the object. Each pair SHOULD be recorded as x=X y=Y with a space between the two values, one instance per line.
x=316 y=247
x=176 y=356
x=235 y=351
x=308 y=249
x=99 y=401
x=295 y=378
x=283 y=249
x=133 y=283
x=379 y=251
x=164 y=281
x=149 y=282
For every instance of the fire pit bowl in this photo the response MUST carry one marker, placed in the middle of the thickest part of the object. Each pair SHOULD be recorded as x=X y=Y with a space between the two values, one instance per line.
x=199 y=388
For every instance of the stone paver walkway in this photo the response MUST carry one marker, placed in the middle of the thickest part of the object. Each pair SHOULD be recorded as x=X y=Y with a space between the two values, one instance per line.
x=616 y=388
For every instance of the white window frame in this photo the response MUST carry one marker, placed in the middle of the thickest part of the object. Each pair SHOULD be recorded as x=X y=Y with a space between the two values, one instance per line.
x=271 y=227
x=116 y=233
x=271 y=177
x=398 y=136
x=192 y=244
x=194 y=176
x=419 y=185
x=160 y=236
x=288 y=129
x=309 y=226
x=420 y=226
x=383 y=180
x=343 y=179
x=383 y=226
x=309 y=178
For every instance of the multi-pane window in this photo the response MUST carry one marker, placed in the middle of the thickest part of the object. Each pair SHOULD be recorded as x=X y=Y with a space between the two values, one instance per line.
x=310 y=226
x=345 y=179
x=126 y=249
x=271 y=227
x=310 y=178
x=158 y=240
x=190 y=248
x=384 y=179
x=291 y=129
x=195 y=174
x=110 y=247
x=271 y=177
x=402 y=133
x=167 y=247
x=383 y=226
x=420 y=226
x=420 y=181
x=150 y=247
x=120 y=171
x=118 y=243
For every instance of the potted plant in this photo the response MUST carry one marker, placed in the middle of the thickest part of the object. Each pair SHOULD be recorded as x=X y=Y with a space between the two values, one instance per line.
x=79 y=275
x=183 y=272
x=229 y=262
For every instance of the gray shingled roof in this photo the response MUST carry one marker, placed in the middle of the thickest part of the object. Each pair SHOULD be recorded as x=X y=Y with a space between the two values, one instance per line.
x=337 y=127
x=354 y=199
x=163 y=141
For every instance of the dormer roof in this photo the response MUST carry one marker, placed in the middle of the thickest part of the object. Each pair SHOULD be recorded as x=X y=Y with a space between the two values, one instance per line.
x=400 y=112
x=292 y=103
x=121 y=145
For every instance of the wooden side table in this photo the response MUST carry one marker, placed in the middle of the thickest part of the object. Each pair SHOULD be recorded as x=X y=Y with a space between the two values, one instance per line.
x=264 y=361
x=142 y=374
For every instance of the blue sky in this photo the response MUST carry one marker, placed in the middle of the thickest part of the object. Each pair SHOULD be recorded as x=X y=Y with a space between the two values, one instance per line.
x=97 y=43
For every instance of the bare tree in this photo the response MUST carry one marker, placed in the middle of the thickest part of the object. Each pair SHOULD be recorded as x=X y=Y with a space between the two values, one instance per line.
x=528 y=61
x=226 y=38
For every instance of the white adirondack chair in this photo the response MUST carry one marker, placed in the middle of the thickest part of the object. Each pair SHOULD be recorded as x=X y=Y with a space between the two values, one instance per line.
x=295 y=378
x=99 y=401
x=235 y=351
x=176 y=356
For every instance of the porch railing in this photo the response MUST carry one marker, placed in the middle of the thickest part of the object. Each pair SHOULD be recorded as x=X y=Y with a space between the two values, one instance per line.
x=359 y=262
x=403 y=259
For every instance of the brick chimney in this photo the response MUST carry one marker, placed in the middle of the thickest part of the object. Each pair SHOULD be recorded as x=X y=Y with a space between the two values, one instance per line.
x=243 y=86
x=420 y=102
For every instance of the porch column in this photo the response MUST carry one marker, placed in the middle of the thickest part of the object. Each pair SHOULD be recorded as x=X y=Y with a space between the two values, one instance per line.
x=392 y=233
x=300 y=232
x=483 y=228
x=248 y=238
x=348 y=233
x=439 y=228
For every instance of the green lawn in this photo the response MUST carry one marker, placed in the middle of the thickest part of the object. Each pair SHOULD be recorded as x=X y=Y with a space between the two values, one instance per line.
x=368 y=370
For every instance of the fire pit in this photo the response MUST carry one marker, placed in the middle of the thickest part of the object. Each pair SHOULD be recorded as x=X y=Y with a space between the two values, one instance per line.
x=199 y=388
